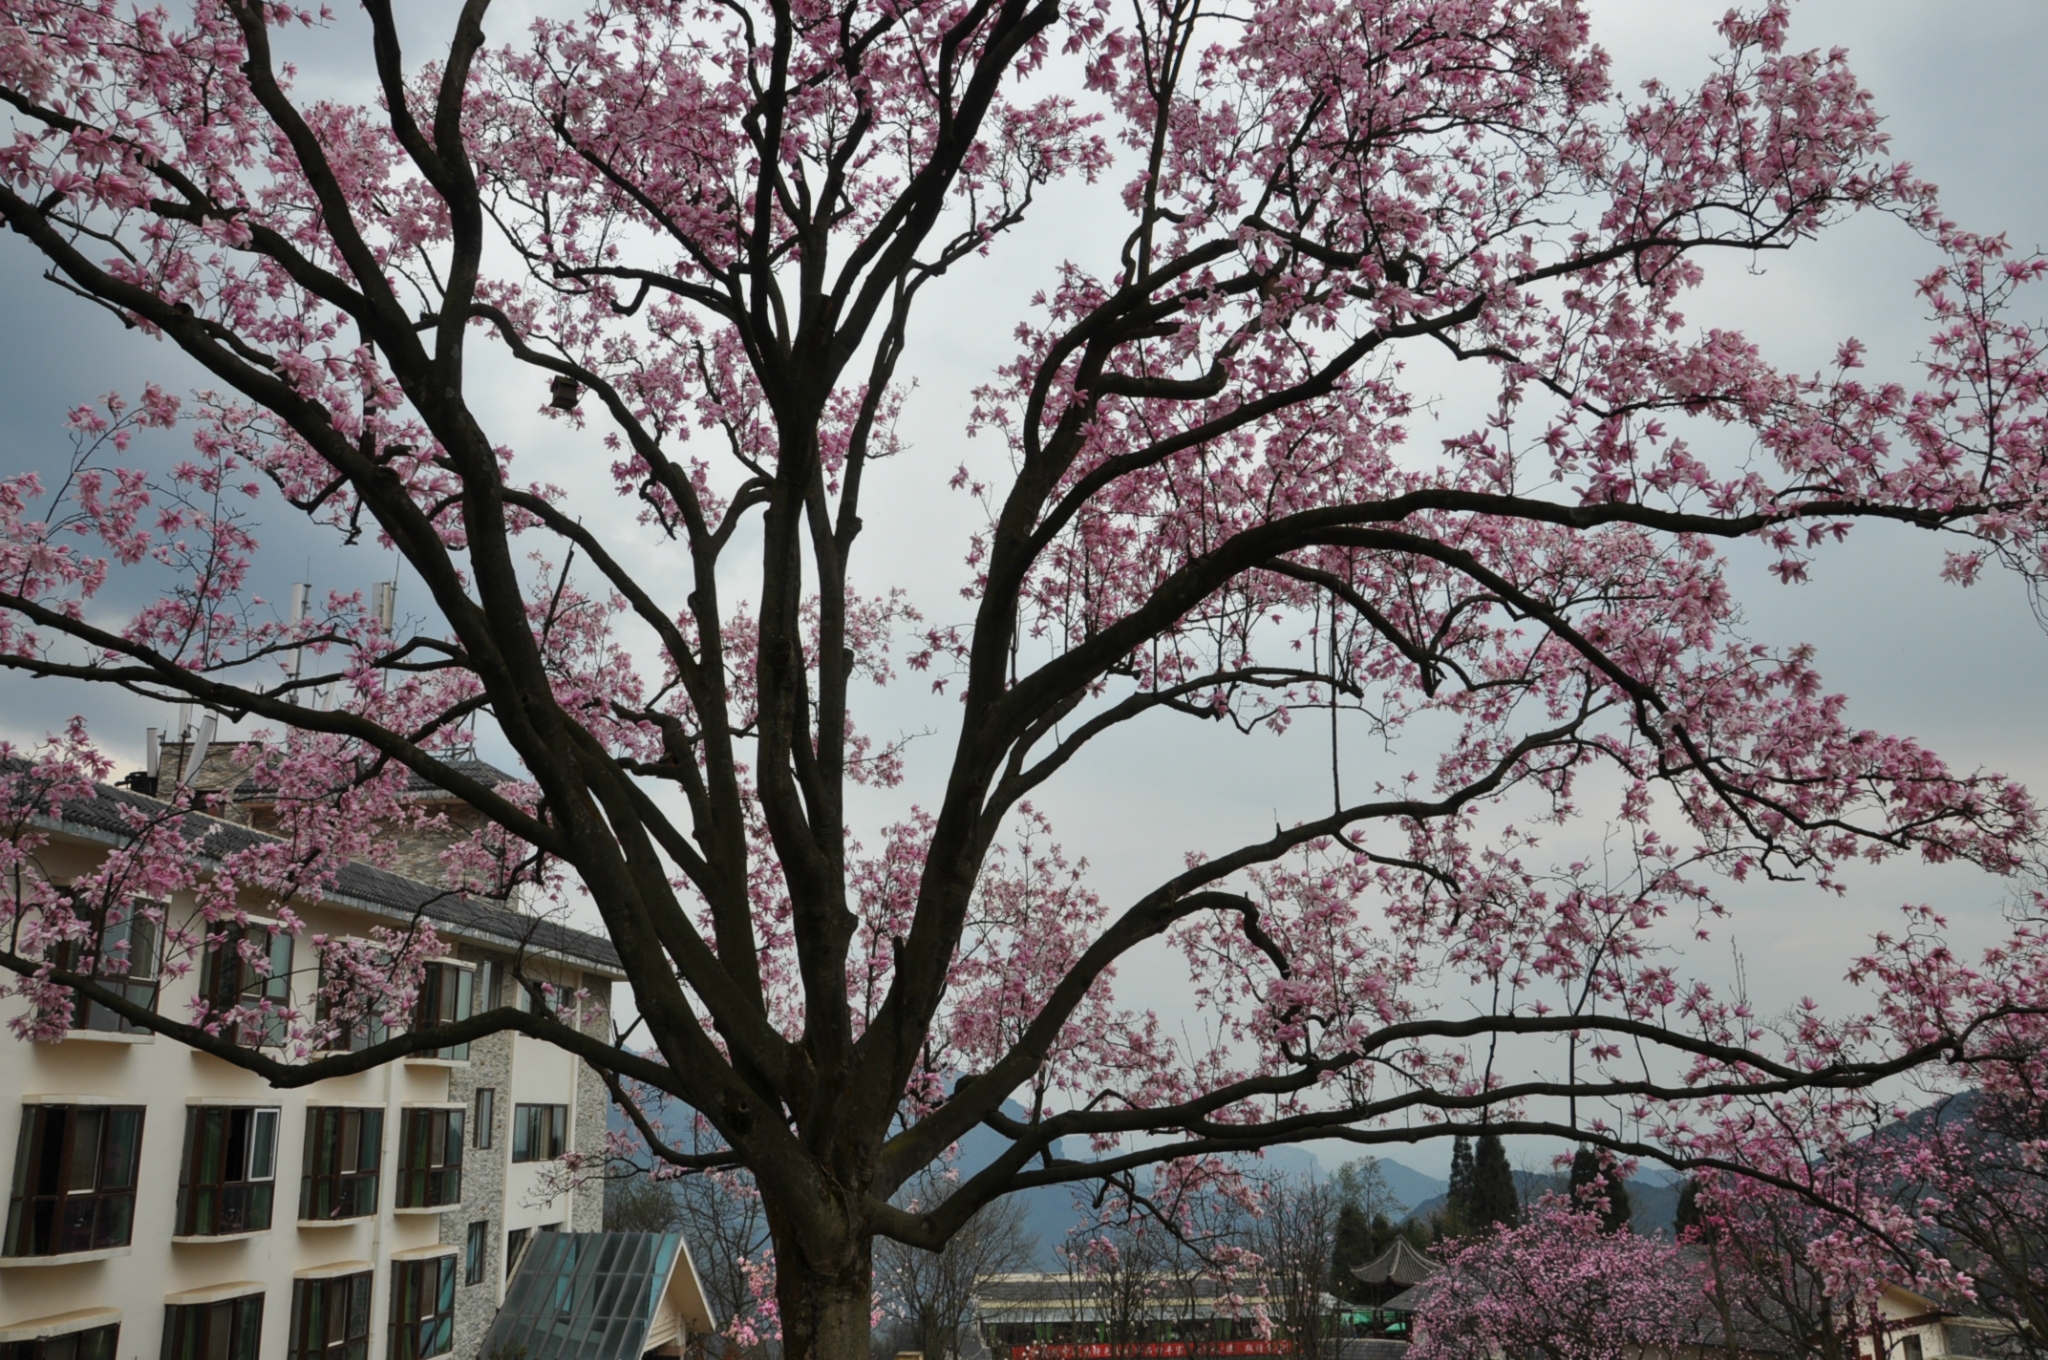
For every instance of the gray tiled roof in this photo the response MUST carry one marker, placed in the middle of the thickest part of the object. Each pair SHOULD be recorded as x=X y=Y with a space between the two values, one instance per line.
x=1401 y=1263
x=255 y=784
x=105 y=817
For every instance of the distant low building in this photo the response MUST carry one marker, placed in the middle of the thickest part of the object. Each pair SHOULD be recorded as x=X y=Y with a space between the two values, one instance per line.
x=1914 y=1326
x=1054 y=1315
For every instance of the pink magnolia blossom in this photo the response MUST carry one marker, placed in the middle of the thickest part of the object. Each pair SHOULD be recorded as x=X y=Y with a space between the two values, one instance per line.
x=1560 y=1286
x=704 y=232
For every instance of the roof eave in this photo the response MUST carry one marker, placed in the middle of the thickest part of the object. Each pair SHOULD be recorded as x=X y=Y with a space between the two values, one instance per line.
x=334 y=897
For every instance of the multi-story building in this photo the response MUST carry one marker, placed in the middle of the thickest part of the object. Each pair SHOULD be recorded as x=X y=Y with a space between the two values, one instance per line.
x=165 y=1203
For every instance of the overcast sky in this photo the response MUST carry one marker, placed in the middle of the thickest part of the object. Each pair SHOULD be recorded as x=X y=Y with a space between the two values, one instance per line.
x=1961 y=86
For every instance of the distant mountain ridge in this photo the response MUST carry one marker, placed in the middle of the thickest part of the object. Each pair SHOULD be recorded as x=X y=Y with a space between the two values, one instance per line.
x=1053 y=1211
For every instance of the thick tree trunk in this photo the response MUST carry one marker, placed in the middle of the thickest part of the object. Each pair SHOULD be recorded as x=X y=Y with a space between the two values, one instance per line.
x=825 y=1316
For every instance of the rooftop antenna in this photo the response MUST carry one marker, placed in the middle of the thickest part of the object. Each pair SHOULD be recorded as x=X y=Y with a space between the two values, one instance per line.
x=384 y=603
x=302 y=592
x=208 y=725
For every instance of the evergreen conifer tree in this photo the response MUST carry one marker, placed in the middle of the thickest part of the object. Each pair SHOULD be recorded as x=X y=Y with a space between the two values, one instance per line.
x=1597 y=1184
x=1355 y=1244
x=1689 y=1214
x=1458 y=1198
x=1493 y=1197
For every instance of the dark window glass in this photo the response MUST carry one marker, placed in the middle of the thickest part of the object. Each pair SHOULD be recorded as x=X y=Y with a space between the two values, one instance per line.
x=344 y=1152
x=429 y=1158
x=422 y=1308
x=330 y=1319
x=229 y=1174
x=95 y=1343
x=229 y=1330
x=515 y=1243
x=540 y=1133
x=477 y=1251
x=74 y=1179
x=247 y=967
x=486 y=1114
x=124 y=952
x=446 y=994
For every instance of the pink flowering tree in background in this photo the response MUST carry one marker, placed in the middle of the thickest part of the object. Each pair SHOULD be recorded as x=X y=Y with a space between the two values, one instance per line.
x=1560 y=1285
x=702 y=231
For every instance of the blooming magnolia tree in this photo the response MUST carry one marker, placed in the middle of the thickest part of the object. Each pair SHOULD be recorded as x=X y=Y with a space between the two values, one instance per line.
x=1565 y=1287
x=704 y=229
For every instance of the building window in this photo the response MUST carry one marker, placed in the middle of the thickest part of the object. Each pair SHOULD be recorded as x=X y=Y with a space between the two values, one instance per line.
x=477 y=1251
x=228 y=1330
x=250 y=968
x=489 y=974
x=446 y=991
x=94 y=1343
x=229 y=1173
x=515 y=1246
x=486 y=1114
x=123 y=953
x=422 y=1308
x=330 y=1318
x=530 y=995
x=429 y=1158
x=344 y=1151
x=74 y=1179
x=540 y=1133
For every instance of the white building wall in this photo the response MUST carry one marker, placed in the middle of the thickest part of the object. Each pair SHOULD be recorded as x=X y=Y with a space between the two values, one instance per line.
x=165 y=1078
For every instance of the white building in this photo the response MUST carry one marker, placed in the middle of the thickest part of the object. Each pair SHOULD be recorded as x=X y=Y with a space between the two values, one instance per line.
x=1911 y=1326
x=164 y=1203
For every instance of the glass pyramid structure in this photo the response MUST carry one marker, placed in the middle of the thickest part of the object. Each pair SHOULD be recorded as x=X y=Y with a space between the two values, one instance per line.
x=585 y=1296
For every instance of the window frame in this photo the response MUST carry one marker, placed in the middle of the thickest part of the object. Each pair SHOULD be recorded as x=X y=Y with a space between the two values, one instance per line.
x=228 y=981
x=144 y=988
x=421 y=1335
x=476 y=1252
x=242 y=1202
x=244 y=1323
x=429 y=1183
x=447 y=994
x=106 y=1334
x=346 y=1187
x=32 y=1146
x=556 y=1133
x=490 y=982
x=356 y=1289
x=485 y=1098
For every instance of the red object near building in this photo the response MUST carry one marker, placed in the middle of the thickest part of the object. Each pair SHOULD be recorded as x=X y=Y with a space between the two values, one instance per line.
x=1151 y=1350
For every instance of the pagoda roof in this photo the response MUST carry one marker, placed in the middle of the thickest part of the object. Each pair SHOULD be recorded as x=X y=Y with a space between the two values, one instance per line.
x=1399 y=1264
